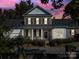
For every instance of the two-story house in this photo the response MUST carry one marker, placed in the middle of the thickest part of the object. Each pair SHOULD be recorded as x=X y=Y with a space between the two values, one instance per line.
x=40 y=25
x=37 y=23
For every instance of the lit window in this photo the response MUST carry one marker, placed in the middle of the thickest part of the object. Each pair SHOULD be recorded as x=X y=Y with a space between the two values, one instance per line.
x=59 y=33
x=29 y=20
x=37 y=20
x=72 y=32
x=45 y=20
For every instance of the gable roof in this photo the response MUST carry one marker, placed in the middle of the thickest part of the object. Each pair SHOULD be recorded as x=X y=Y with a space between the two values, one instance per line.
x=37 y=11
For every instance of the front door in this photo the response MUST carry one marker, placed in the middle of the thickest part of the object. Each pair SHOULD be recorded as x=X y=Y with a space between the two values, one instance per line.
x=45 y=35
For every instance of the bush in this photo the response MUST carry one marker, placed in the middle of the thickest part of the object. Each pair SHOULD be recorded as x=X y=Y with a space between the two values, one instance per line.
x=38 y=42
x=70 y=47
x=54 y=42
x=76 y=37
x=27 y=40
x=60 y=41
x=68 y=40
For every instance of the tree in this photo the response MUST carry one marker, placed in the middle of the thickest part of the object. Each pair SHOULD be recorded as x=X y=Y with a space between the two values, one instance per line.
x=73 y=9
x=57 y=3
x=22 y=8
x=29 y=2
x=19 y=42
x=44 y=1
x=3 y=29
x=5 y=42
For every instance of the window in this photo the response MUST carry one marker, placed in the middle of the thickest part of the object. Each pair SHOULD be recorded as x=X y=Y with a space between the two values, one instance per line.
x=45 y=20
x=29 y=33
x=72 y=32
x=29 y=20
x=59 y=33
x=37 y=20
x=45 y=34
x=34 y=32
x=37 y=33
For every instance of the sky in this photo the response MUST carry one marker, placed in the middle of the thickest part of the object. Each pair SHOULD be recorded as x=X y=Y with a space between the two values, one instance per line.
x=57 y=13
x=8 y=3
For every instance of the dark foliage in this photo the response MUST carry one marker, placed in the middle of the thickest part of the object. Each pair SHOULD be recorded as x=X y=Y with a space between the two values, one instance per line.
x=44 y=1
x=73 y=9
x=17 y=13
x=60 y=41
x=38 y=42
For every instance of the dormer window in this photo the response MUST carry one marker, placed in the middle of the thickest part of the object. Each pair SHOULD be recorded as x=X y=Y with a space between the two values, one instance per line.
x=29 y=20
x=37 y=20
x=45 y=20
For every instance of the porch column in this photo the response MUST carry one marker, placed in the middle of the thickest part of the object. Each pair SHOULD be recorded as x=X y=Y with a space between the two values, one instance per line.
x=41 y=34
x=32 y=34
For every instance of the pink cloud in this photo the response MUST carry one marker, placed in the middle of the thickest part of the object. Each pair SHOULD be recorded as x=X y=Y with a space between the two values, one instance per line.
x=8 y=3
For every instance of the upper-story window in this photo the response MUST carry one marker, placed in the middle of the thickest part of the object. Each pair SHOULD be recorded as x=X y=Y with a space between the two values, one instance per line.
x=37 y=20
x=29 y=20
x=72 y=32
x=45 y=20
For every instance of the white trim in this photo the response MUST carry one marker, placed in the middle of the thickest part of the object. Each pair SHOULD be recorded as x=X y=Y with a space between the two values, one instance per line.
x=41 y=34
x=32 y=34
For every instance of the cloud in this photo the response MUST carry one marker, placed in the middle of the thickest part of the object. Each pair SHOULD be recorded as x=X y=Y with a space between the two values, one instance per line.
x=8 y=3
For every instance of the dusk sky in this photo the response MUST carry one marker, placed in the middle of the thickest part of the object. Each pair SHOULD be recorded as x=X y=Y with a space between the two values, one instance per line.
x=56 y=12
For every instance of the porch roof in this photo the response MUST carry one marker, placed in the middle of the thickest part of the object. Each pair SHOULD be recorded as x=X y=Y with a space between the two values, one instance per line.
x=65 y=23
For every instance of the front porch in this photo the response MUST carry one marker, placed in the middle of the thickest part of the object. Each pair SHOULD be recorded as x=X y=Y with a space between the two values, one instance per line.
x=41 y=34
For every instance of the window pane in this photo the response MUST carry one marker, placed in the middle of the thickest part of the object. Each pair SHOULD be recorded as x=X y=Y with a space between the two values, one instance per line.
x=72 y=32
x=37 y=20
x=59 y=33
x=45 y=20
x=29 y=20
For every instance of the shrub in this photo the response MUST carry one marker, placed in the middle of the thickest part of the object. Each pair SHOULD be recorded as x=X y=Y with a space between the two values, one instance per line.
x=70 y=47
x=68 y=40
x=76 y=37
x=27 y=40
x=54 y=42
x=38 y=42
x=60 y=41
